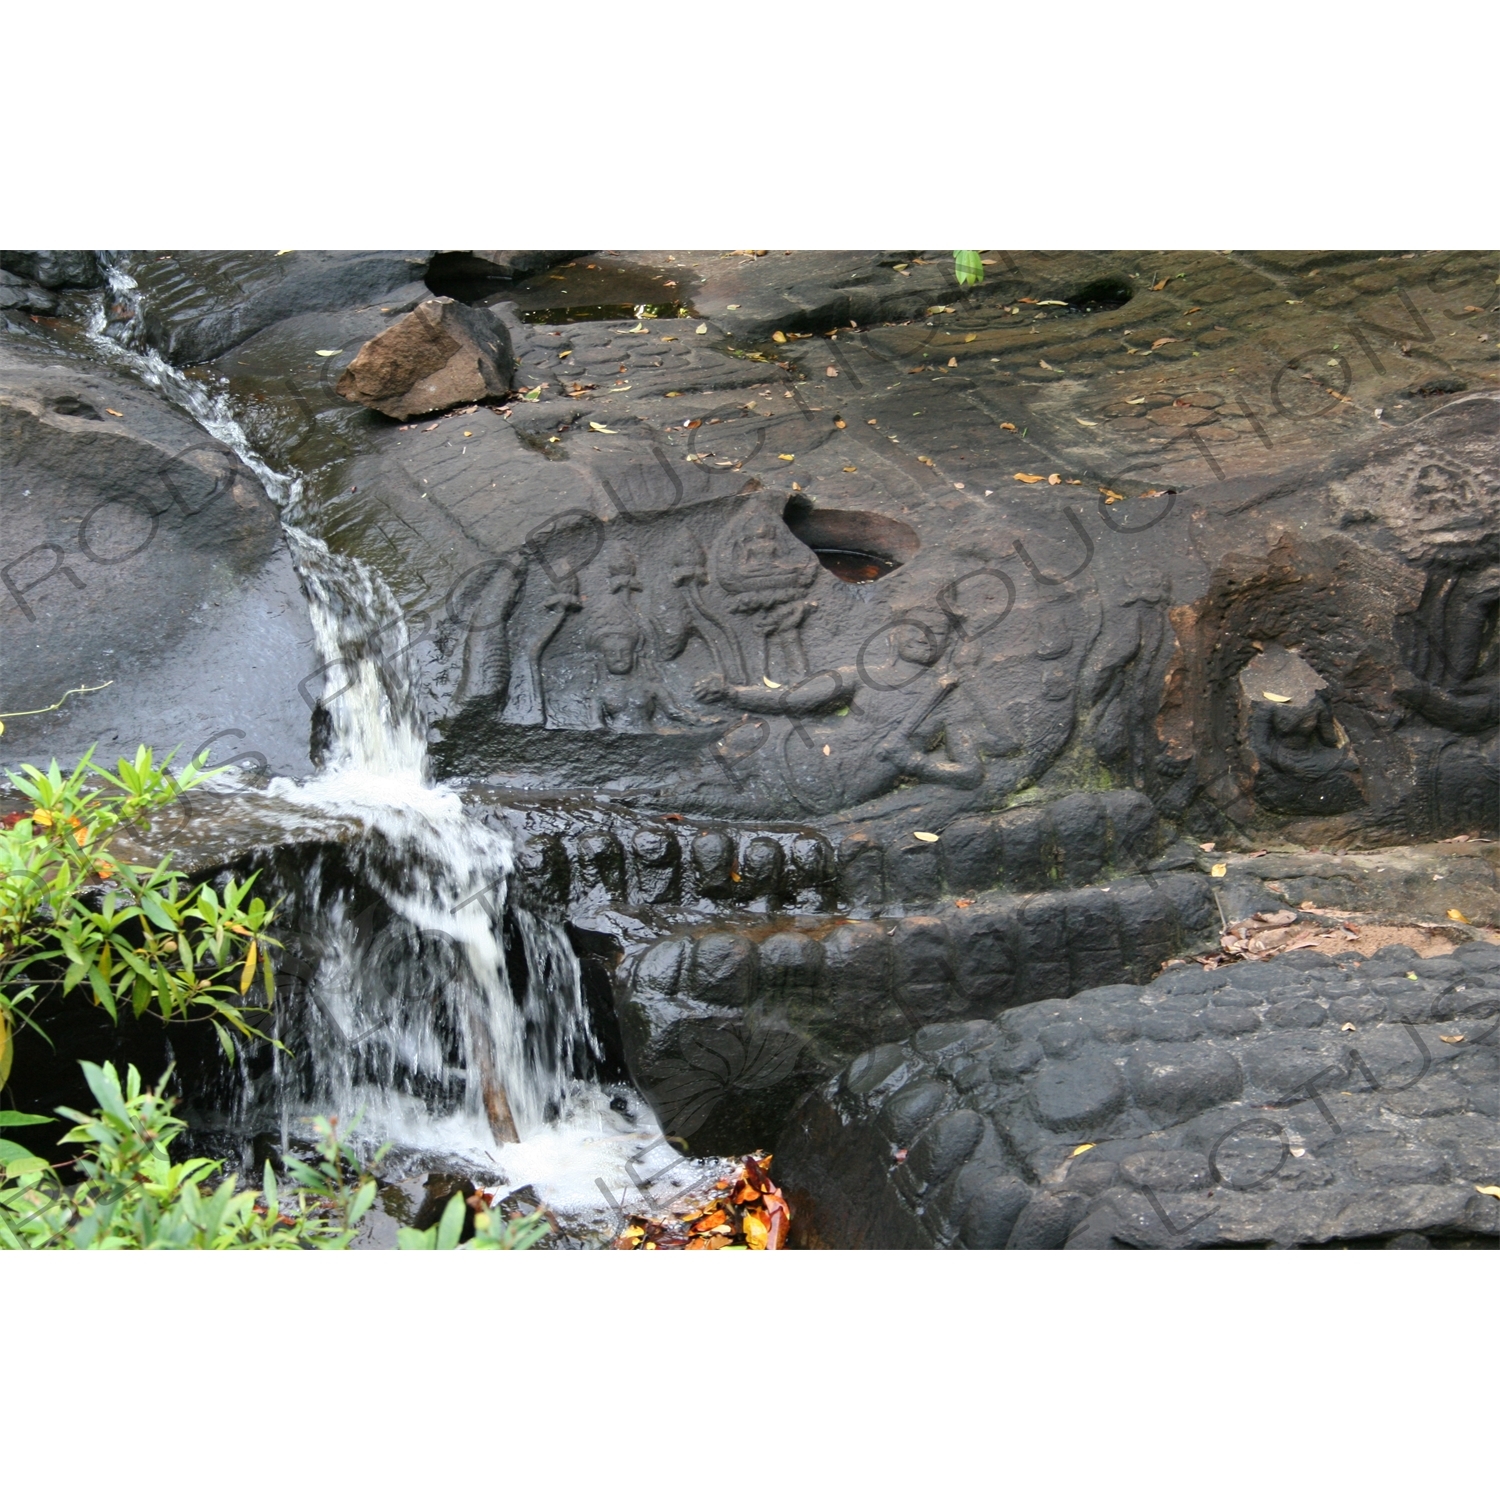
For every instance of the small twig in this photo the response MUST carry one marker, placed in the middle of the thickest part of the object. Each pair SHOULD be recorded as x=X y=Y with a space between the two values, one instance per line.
x=1223 y=920
x=23 y=713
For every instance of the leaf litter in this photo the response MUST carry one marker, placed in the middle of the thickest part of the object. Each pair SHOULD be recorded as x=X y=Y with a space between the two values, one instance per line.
x=744 y=1210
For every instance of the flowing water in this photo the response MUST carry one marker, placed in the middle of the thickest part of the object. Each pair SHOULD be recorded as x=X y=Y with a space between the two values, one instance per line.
x=430 y=1007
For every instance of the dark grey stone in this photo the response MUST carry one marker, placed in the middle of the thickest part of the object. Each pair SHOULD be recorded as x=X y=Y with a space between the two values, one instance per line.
x=1076 y=1095
x=1172 y=1083
x=1297 y=1013
x=944 y=1147
x=992 y=1213
x=910 y=1108
x=1047 y=1221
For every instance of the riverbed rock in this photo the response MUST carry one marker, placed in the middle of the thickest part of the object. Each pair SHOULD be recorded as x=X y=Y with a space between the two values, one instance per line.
x=662 y=489
x=879 y=655
x=1238 y=1137
x=440 y=354
x=141 y=554
x=197 y=304
x=21 y=295
x=55 y=269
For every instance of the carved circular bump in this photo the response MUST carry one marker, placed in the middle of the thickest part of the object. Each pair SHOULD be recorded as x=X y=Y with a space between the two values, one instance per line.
x=656 y=847
x=713 y=858
x=812 y=860
x=542 y=865
x=763 y=864
x=601 y=855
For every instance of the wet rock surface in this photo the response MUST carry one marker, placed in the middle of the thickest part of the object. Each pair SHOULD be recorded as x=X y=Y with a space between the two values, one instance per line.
x=850 y=654
x=146 y=556
x=1300 y=1102
x=607 y=574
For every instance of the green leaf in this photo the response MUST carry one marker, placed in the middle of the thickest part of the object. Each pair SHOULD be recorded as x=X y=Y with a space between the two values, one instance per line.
x=451 y=1225
x=225 y=1040
x=16 y=1159
x=362 y=1201
x=14 y=1117
x=415 y=1239
x=968 y=267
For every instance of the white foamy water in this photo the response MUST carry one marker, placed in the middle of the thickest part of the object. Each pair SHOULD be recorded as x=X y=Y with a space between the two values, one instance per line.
x=411 y=1023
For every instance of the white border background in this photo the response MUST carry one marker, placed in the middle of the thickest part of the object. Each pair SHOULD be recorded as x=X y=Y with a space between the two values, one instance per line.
x=803 y=125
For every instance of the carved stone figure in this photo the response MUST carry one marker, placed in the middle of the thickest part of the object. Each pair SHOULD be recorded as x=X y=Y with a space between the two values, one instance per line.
x=1302 y=762
x=768 y=574
x=628 y=695
x=1121 y=684
x=526 y=703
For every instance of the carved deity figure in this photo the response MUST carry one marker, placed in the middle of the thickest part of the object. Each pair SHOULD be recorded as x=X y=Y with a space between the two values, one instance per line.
x=757 y=563
x=628 y=696
x=526 y=702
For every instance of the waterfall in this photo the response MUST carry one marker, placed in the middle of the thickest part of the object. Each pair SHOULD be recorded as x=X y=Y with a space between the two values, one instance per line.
x=440 y=1014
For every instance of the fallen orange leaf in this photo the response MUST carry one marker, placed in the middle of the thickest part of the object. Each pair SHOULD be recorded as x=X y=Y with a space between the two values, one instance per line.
x=1028 y=478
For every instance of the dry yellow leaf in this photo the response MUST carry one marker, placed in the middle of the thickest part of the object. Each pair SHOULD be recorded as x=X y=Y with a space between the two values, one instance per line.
x=1219 y=871
x=1028 y=478
x=600 y=427
x=1082 y=423
x=1455 y=915
x=778 y=337
x=1488 y=1188
x=1007 y=427
x=327 y=353
x=113 y=412
x=831 y=373
x=1157 y=343
x=786 y=457
x=701 y=328
x=953 y=361
x=927 y=838
x=1276 y=697
x=1453 y=1038
x=248 y=972
x=970 y=337
x=850 y=469
x=769 y=683
x=1054 y=479
x=1079 y=1150
x=839 y=422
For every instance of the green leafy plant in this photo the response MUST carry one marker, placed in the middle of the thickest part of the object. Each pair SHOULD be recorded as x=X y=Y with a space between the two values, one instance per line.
x=133 y=1196
x=491 y=1231
x=968 y=267
x=132 y=936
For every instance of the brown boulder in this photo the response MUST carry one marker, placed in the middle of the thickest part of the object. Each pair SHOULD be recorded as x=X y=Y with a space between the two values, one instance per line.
x=440 y=354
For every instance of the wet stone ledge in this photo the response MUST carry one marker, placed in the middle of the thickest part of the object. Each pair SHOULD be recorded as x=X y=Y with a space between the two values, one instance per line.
x=1300 y=1102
